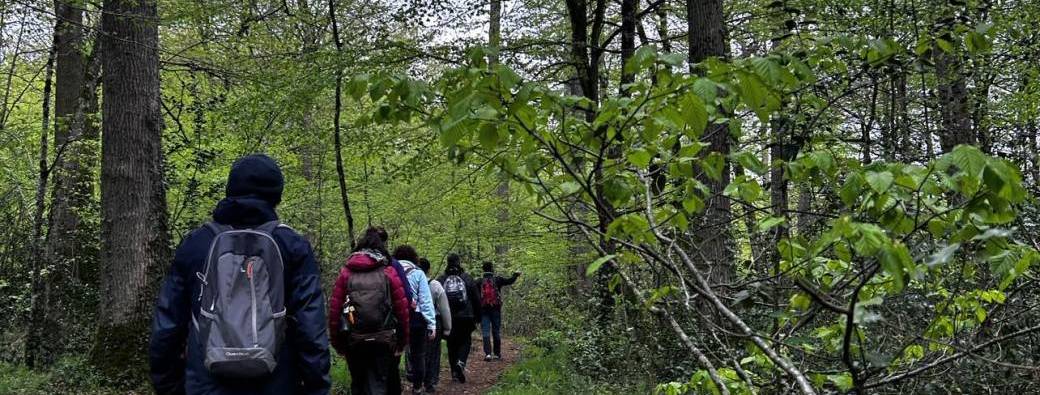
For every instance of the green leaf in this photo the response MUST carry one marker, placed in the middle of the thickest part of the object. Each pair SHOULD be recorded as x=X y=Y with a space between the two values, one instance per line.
x=977 y=43
x=895 y=260
x=879 y=181
x=769 y=223
x=706 y=89
x=489 y=136
x=800 y=301
x=693 y=204
x=851 y=191
x=914 y=352
x=595 y=265
x=695 y=113
x=507 y=76
x=357 y=86
x=712 y=165
x=843 y=381
x=750 y=161
x=639 y=157
x=767 y=69
x=640 y=60
x=944 y=45
x=617 y=191
x=757 y=96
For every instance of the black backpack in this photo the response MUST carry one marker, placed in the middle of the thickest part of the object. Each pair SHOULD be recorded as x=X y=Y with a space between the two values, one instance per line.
x=241 y=321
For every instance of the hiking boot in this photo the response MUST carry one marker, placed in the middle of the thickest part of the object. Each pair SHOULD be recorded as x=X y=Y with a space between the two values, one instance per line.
x=431 y=390
x=498 y=357
x=487 y=357
x=460 y=374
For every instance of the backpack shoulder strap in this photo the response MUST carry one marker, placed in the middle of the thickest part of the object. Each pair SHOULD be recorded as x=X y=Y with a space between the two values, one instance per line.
x=269 y=227
x=218 y=228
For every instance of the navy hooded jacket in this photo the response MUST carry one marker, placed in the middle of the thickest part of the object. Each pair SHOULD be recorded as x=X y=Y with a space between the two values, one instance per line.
x=176 y=354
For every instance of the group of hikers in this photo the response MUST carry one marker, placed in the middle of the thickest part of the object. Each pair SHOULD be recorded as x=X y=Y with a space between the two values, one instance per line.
x=241 y=310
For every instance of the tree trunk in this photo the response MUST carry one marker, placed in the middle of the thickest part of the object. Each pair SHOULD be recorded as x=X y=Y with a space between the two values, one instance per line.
x=495 y=31
x=707 y=38
x=628 y=43
x=134 y=231
x=502 y=192
x=70 y=243
x=902 y=149
x=662 y=27
x=955 y=114
x=69 y=179
x=37 y=312
x=336 y=127
x=586 y=51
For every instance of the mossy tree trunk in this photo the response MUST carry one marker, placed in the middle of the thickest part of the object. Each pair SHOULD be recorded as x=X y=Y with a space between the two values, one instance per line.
x=133 y=196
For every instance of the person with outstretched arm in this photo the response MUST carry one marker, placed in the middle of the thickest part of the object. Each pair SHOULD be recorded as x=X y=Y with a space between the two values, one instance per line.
x=188 y=352
x=491 y=310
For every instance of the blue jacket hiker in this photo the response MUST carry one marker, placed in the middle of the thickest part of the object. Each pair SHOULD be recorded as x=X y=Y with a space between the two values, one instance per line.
x=192 y=347
x=423 y=319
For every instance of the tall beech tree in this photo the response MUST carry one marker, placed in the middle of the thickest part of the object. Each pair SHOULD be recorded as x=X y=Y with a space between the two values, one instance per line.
x=134 y=232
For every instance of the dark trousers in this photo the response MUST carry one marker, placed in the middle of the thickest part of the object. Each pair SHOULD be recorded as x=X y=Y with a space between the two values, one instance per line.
x=491 y=327
x=393 y=386
x=433 y=362
x=459 y=343
x=417 y=353
x=368 y=365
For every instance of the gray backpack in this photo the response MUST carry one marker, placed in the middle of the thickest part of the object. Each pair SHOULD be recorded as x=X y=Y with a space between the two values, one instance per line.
x=242 y=302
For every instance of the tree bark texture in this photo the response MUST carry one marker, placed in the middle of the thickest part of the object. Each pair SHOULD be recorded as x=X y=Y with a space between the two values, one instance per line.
x=34 y=342
x=707 y=38
x=495 y=31
x=954 y=109
x=628 y=42
x=133 y=196
x=70 y=244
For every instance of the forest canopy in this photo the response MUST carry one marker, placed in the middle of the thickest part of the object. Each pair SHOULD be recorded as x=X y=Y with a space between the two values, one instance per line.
x=705 y=196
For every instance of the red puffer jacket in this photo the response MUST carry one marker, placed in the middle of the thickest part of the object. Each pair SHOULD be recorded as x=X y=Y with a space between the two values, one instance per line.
x=364 y=261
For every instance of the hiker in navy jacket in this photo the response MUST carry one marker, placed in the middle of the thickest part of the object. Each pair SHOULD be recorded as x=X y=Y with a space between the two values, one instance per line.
x=254 y=189
x=465 y=313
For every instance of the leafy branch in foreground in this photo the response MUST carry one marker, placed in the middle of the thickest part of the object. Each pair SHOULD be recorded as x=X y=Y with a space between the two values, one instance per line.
x=929 y=246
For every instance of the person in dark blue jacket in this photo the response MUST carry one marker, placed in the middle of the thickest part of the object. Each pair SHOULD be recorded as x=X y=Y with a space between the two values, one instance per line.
x=254 y=189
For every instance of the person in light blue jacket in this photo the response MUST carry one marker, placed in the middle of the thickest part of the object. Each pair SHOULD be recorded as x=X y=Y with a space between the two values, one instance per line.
x=424 y=317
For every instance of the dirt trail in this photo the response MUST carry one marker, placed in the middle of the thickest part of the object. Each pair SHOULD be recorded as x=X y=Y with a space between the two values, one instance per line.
x=480 y=375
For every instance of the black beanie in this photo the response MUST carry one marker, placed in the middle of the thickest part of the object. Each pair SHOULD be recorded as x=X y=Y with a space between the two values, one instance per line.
x=256 y=175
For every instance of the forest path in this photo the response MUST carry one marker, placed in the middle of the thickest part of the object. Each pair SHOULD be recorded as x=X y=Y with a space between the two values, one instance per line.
x=480 y=375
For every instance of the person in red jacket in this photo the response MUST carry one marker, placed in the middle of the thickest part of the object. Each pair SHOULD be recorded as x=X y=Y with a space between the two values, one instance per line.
x=361 y=327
